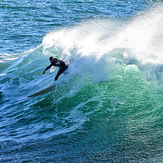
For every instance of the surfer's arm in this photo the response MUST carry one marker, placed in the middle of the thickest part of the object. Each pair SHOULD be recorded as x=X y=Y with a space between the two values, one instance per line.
x=47 y=68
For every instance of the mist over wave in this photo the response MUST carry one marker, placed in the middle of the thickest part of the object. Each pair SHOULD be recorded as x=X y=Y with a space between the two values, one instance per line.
x=100 y=44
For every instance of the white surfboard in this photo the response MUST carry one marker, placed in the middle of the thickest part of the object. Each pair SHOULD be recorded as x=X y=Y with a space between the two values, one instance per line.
x=43 y=91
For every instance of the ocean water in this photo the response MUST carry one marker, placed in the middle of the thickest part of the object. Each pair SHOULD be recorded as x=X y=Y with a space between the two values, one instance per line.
x=108 y=107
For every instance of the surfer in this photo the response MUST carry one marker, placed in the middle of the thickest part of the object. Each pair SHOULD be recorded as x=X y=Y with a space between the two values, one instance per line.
x=58 y=63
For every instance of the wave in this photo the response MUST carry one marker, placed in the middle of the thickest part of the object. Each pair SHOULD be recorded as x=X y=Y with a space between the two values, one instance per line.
x=100 y=44
x=111 y=63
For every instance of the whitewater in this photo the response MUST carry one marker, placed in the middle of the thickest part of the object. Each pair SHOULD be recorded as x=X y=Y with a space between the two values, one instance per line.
x=108 y=107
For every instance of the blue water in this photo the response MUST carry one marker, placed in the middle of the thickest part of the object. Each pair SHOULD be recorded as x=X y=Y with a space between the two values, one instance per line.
x=108 y=107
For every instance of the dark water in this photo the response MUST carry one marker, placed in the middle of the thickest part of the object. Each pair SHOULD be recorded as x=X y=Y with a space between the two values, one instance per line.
x=108 y=107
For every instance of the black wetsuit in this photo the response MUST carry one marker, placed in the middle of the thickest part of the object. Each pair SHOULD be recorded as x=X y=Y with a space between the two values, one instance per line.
x=59 y=63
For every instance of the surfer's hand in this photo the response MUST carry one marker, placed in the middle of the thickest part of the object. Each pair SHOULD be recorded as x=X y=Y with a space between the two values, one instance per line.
x=44 y=72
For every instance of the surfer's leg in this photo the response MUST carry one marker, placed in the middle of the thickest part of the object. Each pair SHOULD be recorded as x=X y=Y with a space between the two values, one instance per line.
x=58 y=74
x=60 y=71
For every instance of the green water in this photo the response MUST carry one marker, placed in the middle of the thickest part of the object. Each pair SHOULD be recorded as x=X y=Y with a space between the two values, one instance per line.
x=107 y=107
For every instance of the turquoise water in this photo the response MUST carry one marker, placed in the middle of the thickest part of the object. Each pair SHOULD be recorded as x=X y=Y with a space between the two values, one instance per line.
x=108 y=107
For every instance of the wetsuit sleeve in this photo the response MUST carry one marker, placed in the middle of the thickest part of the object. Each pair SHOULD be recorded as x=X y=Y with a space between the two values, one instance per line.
x=48 y=67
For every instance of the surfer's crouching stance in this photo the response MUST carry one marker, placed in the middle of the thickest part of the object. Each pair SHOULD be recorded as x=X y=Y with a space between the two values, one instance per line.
x=59 y=63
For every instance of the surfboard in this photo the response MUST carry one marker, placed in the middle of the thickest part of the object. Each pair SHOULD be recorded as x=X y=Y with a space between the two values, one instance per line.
x=43 y=91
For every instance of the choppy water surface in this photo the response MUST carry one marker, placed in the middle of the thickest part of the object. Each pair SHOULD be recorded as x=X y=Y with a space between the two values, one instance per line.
x=108 y=107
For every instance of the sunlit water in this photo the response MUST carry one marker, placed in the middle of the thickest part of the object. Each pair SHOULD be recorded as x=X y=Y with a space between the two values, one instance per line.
x=107 y=107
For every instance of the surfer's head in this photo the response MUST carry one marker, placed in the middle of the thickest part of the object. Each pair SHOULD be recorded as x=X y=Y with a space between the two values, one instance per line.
x=51 y=59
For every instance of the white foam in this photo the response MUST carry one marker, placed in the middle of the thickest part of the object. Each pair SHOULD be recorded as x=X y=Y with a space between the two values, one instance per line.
x=92 y=47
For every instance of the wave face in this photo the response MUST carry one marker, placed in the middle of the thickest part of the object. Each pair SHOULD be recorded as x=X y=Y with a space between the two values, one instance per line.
x=106 y=108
